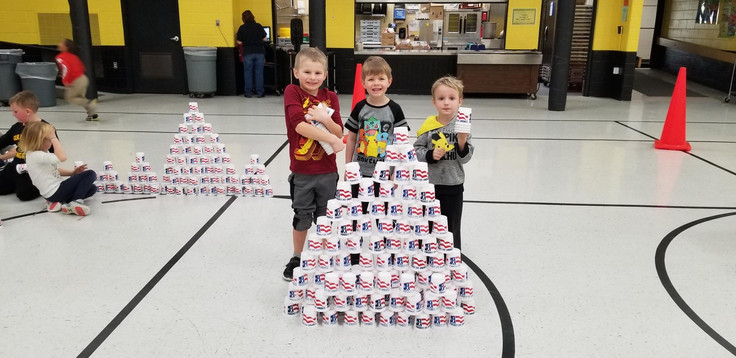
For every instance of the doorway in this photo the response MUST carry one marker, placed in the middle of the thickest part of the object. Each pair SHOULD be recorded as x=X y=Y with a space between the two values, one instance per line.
x=153 y=46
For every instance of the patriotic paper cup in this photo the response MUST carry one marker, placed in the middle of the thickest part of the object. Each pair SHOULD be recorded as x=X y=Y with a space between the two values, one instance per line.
x=386 y=190
x=342 y=261
x=423 y=279
x=352 y=173
x=385 y=226
x=396 y=301
x=354 y=209
x=413 y=302
x=439 y=225
x=456 y=318
x=414 y=210
x=350 y=318
x=408 y=155
x=366 y=282
x=318 y=279
x=376 y=244
x=393 y=154
x=419 y=262
x=468 y=306
x=360 y=302
x=453 y=259
x=332 y=282
x=429 y=245
x=422 y=321
x=343 y=191
x=366 y=189
x=377 y=302
x=324 y=226
x=383 y=262
x=296 y=293
x=401 y=135
x=354 y=244
x=107 y=165
x=321 y=300
x=364 y=225
x=308 y=261
x=465 y=290
x=408 y=282
x=427 y=194
x=348 y=282
x=411 y=245
x=402 y=174
x=431 y=303
x=255 y=159
x=395 y=279
x=446 y=242
x=366 y=260
x=325 y=262
x=421 y=227
x=382 y=172
x=329 y=318
x=309 y=316
x=343 y=228
x=439 y=320
x=404 y=319
x=340 y=301
x=368 y=319
x=383 y=282
x=193 y=107
x=449 y=300
x=331 y=245
x=377 y=208
x=420 y=172
x=393 y=244
x=334 y=209
x=401 y=260
x=460 y=274
x=386 y=319
x=291 y=308
x=402 y=227
x=437 y=283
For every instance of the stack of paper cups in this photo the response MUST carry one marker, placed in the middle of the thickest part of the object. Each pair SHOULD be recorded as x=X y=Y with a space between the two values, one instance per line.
x=401 y=135
x=382 y=172
x=393 y=155
x=352 y=173
x=462 y=121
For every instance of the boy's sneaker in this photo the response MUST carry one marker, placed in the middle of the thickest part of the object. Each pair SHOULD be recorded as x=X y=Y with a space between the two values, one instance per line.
x=75 y=208
x=53 y=206
x=93 y=117
x=289 y=271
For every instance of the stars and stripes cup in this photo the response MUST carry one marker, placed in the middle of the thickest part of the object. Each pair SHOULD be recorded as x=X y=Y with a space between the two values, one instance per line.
x=183 y=128
x=324 y=226
x=382 y=172
x=419 y=262
x=325 y=262
x=393 y=244
x=383 y=261
x=145 y=166
x=364 y=225
x=406 y=192
x=250 y=170
x=193 y=107
x=462 y=120
x=255 y=159
x=423 y=279
x=395 y=274
x=401 y=135
x=329 y=318
x=178 y=138
x=386 y=190
x=386 y=319
x=403 y=227
x=396 y=301
x=132 y=177
x=107 y=165
x=366 y=282
x=449 y=300
x=453 y=258
x=291 y=308
x=439 y=225
x=402 y=173
x=200 y=139
x=220 y=149
x=265 y=180
x=401 y=260
x=368 y=319
x=78 y=164
x=248 y=190
x=342 y=261
x=343 y=228
x=456 y=318
x=393 y=154
x=142 y=177
x=331 y=245
x=314 y=243
x=413 y=302
x=420 y=172
x=421 y=227
x=408 y=154
x=309 y=316
x=383 y=282
x=414 y=210
x=395 y=209
x=321 y=300
x=427 y=194
x=422 y=321
x=408 y=282
x=376 y=244
x=207 y=127
x=350 y=318
x=300 y=277
x=354 y=208
x=439 y=320
x=411 y=244
x=348 y=281
x=111 y=175
x=268 y=191
x=360 y=302
x=343 y=191
x=377 y=301
x=465 y=290
x=365 y=260
x=309 y=295
x=296 y=293
x=140 y=157
x=227 y=159
x=431 y=302
x=352 y=173
x=366 y=189
x=198 y=117
x=354 y=244
x=332 y=282
x=308 y=261
x=437 y=283
x=468 y=306
x=212 y=138
x=385 y=226
x=154 y=188
x=446 y=242
x=135 y=167
x=460 y=274
x=318 y=279
x=340 y=302
x=138 y=188
x=126 y=188
x=429 y=245
x=404 y=319
x=175 y=149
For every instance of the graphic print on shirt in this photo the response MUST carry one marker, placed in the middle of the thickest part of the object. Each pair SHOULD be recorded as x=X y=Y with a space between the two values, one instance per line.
x=373 y=139
x=446 y=141
x=310 y=149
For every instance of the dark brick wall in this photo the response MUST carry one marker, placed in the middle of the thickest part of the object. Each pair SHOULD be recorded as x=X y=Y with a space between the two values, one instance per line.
x=712 y=73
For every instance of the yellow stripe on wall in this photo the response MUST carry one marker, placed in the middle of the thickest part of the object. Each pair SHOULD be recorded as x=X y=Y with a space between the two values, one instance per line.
x=608 y=17
x=340 y=23
x=523 y=35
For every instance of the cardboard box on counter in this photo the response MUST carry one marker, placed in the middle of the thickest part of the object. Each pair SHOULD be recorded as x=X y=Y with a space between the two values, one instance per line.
x=387 y=39
x=437 y=12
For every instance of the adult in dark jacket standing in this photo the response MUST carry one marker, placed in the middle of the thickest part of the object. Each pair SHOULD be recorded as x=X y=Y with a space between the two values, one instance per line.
x=251 y=36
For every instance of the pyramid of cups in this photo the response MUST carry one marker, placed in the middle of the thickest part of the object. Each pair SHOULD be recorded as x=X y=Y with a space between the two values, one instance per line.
x=197 y=164
x=408 y=272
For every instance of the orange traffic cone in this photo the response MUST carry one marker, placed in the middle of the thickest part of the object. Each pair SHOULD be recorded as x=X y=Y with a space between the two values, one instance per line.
x=358 y=90
x=673 y=132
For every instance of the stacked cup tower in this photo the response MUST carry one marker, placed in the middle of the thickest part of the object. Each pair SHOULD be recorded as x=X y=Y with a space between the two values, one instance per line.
x=409 y=274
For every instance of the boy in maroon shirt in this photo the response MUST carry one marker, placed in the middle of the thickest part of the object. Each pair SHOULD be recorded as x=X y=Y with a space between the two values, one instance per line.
x=314 y=177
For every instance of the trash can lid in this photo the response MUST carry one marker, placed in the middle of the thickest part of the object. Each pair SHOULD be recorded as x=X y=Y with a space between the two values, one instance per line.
x=38 y=70
x=201 y=51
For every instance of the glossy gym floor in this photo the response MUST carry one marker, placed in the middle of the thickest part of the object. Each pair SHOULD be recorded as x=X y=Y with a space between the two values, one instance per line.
x=586 y=241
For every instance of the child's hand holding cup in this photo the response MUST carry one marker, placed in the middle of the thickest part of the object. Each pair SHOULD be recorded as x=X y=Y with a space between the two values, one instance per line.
x=462 y=122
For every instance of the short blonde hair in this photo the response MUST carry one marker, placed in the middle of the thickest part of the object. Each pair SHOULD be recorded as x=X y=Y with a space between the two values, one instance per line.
x=25 y=99
x=375 y=66
x=31 y=139
x=310 y=53
x=449 y=81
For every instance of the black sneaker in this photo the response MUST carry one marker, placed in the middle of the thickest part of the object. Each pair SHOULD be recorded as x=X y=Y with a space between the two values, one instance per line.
x=289 y=271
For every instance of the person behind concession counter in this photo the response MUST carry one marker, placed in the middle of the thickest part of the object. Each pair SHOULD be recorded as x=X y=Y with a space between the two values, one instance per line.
x=13 y=177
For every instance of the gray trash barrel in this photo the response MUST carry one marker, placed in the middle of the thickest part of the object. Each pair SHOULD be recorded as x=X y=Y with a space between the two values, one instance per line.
x=201 y=69
x=9 y=81
x=39 y=78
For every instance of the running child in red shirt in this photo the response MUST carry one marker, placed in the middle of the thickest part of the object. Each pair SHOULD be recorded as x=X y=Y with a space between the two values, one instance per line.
x=73 y=77
x=314 y=177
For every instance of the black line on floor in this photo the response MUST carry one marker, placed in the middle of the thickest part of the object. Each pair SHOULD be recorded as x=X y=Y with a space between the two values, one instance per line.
x=129 y=199
x=97 y=341
x=563 y=139
x=659 y=262
x=543 y=203
x=636 y=130
x=711 y=163
x=25 y=215
x=507 y=326
x=276 y=153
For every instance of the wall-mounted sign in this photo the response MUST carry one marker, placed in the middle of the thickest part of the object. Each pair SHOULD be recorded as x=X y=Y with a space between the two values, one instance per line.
x=524 y=17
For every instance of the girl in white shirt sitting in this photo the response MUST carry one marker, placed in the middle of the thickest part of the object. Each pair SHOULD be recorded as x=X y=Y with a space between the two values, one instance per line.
x=42 y=166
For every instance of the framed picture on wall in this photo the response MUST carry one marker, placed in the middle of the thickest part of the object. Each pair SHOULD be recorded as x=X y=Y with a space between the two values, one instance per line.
x=707 y=11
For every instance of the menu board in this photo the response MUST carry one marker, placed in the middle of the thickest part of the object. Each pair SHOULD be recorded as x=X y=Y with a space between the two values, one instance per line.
x=524 y=17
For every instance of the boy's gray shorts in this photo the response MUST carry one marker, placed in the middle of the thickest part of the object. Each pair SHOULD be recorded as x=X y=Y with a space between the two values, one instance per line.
x=309 y=196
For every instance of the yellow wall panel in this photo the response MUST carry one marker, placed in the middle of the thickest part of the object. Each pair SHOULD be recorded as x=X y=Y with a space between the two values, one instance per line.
x=523 y=36
x=261 y=10
x=609 y=17
x=340 y=23
x=197 y=22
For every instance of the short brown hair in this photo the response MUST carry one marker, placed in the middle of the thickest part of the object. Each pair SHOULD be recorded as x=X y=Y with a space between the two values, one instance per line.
x=31 y=139
x=375 y=66
x=247 y=16
x=449 y=81
x=25 y=99
x=310 y=53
